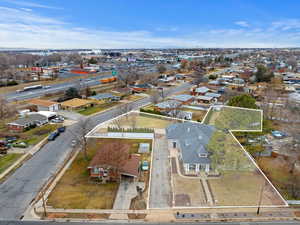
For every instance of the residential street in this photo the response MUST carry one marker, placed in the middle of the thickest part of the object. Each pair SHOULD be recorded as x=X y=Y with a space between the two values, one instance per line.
x=17 y=192
x=143 y=223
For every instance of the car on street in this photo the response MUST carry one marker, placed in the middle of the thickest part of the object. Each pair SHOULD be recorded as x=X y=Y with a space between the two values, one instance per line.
x=61 y=129
x=73 y=143
x=53 y=136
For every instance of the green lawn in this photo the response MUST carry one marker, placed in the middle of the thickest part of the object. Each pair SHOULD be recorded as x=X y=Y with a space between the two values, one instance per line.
x=7 y=160
x=235 y=118
x=35 y=135
x=97 y=108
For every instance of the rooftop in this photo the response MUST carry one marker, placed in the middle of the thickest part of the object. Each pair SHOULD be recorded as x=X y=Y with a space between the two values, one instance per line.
x=76 y=102
x=42 y=102
x=193 y=138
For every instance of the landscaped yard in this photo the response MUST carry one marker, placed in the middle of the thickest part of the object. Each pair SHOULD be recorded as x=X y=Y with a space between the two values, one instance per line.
x=7 y=160
x=74 y=191
x=97 y=108
x=233 y=118
x=243 y=189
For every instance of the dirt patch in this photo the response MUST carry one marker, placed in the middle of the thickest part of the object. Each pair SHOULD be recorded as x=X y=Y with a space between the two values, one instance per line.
x=182 y=200
x=136 y=216
x=77 y=215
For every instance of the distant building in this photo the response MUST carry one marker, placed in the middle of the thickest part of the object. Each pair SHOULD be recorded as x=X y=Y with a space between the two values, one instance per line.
x=45 y=105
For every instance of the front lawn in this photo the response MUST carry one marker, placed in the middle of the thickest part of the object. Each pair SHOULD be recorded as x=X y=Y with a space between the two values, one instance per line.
x=35 y=135
x=97 y=108
x=7 y=160
x=243 y=189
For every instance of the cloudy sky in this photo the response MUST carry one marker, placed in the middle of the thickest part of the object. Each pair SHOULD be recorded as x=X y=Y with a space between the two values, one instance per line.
x=149 y=23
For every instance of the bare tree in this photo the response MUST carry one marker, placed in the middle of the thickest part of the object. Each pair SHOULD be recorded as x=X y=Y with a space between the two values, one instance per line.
x=83 y=127
x=161 y=68
x=155 y=97
x=6 y=110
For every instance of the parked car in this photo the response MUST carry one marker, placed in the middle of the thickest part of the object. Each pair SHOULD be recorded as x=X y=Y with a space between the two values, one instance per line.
x=11 y=139
x=20 y=144
x=145 y=166
x=56 y=120
x=61 y=129
x=73 y=143
x=53 y=135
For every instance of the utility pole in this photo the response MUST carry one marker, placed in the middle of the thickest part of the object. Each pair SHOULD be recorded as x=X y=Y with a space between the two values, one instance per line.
x=260 y=197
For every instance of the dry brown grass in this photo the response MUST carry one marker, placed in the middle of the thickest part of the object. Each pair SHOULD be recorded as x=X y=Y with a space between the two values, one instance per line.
x=190 y=187
x=74 y=191
x=242 y=189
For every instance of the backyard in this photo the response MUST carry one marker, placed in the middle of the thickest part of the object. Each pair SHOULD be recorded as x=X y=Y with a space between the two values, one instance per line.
x=234 y=118
x=75 y=191
x=140 y=120
x=198 y=115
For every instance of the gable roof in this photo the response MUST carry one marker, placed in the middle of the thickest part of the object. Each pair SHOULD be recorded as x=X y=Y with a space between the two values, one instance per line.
x=42 y=102
x=192 y=138
x=202 y=89
x=29 y=119
x=182 y=98
x=102 y=96
x=76 y=102
x=130 y=167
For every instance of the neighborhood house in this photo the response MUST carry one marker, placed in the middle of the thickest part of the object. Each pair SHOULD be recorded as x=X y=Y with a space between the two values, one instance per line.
x=191 y=140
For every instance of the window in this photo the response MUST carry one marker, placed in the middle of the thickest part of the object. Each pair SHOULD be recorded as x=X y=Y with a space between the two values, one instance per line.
x=203 y=155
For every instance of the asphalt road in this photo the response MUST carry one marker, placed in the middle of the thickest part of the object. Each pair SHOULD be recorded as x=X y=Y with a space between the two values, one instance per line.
x=18 y=190
x=13 y=96
x=142 y=223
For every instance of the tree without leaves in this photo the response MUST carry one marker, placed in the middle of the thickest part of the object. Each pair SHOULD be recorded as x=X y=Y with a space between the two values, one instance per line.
x=83 y=127
x=6 y=110
x=161 y=69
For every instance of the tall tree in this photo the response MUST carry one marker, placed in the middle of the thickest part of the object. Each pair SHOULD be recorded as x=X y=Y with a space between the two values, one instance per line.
x=245 y=101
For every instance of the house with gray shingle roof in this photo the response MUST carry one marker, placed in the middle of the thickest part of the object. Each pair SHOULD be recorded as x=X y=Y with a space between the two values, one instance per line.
x=191 y=140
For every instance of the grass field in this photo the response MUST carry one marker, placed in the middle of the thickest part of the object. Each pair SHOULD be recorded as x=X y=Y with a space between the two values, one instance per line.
x=97 y=108
x=7 y=160
x=144 y=121
x=235 y=119
x=227 y=154
x=243 y=189
x=74 y=191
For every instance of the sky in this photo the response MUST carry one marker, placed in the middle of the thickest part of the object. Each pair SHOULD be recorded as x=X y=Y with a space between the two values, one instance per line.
x=149 y=23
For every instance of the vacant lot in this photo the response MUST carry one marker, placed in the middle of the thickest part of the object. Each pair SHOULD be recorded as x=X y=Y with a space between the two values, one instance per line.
x=7 y=160
x=243 y=189
x=235 y=118
x=142 y=121
x=74 y=191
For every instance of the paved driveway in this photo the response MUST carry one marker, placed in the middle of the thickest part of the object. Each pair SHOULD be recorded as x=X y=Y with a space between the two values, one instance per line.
x=160 y=189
